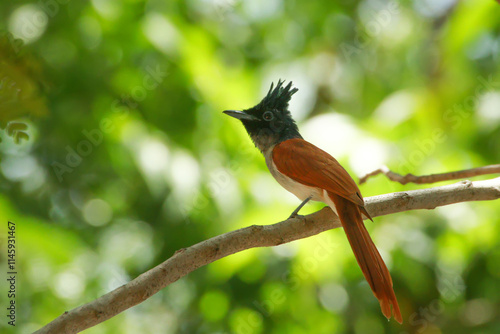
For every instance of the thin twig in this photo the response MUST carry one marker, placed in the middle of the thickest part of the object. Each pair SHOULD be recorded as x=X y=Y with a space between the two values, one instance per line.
x=431 y=178
x=189 y=259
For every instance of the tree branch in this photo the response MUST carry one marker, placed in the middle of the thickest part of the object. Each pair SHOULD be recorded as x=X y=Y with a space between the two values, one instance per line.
x=431 y=178
x=189 y=259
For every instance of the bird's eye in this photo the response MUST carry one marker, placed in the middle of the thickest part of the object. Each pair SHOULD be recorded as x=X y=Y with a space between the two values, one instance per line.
x=268 y=116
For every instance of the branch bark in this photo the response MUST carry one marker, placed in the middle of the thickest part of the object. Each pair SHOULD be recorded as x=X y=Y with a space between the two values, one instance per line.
x=431 y=178
x=189 y=259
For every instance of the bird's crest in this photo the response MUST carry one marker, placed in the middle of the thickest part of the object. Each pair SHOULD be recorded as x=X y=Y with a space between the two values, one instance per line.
x=278 y=97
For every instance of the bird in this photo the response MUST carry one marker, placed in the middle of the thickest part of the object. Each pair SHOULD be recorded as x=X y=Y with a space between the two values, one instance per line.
x=310 y=173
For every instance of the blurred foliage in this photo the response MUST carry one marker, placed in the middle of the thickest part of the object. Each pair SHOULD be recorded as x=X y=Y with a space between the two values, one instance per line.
x=129 y=157
x=19 y=88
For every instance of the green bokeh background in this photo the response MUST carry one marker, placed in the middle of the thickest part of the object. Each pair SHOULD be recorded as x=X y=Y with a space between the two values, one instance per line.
x=414 y=85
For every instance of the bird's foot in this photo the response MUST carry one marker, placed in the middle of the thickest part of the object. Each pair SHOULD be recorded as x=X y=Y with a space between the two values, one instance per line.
x=295 y=215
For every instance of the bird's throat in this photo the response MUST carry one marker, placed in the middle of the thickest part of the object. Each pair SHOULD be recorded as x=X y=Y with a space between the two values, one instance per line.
x=264 y=139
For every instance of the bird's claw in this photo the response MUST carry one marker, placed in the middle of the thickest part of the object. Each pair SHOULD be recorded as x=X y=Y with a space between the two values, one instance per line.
x=295 y=215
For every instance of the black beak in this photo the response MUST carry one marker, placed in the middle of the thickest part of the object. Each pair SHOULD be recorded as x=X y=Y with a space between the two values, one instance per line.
x=241 y=115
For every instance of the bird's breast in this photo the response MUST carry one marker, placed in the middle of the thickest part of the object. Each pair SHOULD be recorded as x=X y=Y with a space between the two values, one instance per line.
x=300 y=190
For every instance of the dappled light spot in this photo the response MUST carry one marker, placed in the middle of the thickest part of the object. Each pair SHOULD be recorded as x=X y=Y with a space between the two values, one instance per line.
x=460 y=217
x=477 y=312
x=286 y=250
x=246 y=321
x=261 y=9
x=488 y=110
x=97 y=212
x=69 y=284
x=110 y=275
x=396 y=108
x=417 y=244
x=161 y=33
x=369 y=155
x=153 y=156
x=28 y=23
x=224 y=189
x=17 y=168
x=333 y=297
x=433 y=8
x=334 y=133
x=127 y=242
x=40 y=271
x=214 y=305
x=109 y=9
x=484 y=46
x=184 y=175
x=298 y=71
x=91 y=31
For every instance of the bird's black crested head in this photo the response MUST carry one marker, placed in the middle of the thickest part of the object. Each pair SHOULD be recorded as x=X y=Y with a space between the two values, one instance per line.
x=277 y=98
x=270 y=121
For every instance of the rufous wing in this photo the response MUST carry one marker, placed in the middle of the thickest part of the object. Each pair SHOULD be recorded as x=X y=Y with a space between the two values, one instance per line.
x=310 y=165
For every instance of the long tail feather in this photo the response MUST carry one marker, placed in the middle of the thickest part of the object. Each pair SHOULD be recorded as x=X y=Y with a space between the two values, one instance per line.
x=371 y=263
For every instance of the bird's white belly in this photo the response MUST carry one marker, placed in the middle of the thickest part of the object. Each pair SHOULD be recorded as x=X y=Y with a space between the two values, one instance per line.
x=298 y=189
